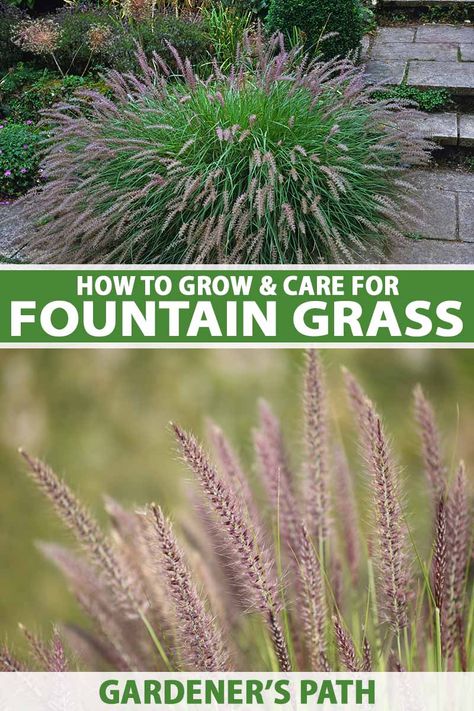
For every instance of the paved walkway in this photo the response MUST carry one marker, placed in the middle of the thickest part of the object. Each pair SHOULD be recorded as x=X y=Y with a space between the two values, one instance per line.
x=447 y=199
x=13 y=229
x=434 y=57
x=425 y=56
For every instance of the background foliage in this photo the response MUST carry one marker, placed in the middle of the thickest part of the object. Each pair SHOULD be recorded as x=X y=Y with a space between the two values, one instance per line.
x=342 y=19
x=19 y=162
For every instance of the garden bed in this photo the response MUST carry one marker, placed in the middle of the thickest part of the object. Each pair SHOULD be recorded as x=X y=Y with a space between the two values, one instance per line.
x=322 y=189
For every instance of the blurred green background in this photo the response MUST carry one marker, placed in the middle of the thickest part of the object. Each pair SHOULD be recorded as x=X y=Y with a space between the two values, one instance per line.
x=100 y=418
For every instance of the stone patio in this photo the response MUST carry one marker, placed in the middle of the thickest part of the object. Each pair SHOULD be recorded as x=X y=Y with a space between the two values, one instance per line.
x=447 y=199
x=428 y=251
x=425 y=56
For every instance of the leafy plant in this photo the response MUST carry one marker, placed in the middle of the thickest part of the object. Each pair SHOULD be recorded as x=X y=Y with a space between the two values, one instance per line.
x=19 y=162
x=429 y=100
x=448 y=14
x=226 y=28
x=118 y=51
x=280 y=161
x=331 y=27
x=368 y=16
x=290 y=579
x=45 y=92
x=258 y=8
x=451 y=14
x=18 y=77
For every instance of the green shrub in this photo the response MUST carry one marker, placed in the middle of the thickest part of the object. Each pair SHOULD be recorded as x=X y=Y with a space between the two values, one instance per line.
x=429 y=100
x=19 y=76
x=368 y=16
x=15 y=87
x=277 y=163
x=317 y=18
x=19 y=162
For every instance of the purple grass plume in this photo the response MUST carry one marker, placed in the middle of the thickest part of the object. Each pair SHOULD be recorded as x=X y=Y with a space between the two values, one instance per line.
x=205 y=651
x=431 y=446
x=458 y=534
x=262 y=586
x=316 y=446
x=75 y=516
x=439 y=563
x=345 y=647
x=390 y=529
x=346 y=503
x=312 y=604
x=8 y=663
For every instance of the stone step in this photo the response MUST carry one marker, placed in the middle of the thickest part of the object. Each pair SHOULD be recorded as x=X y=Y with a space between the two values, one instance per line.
x=446 y=204
x=424 y=56
x=428 y=251
x=446 y=200
x=449 y=129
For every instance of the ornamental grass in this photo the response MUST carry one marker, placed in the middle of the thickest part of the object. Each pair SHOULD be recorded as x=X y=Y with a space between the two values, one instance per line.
x=277 y=159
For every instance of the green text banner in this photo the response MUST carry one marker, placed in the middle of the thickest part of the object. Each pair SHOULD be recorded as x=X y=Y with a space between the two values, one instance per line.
x=236 y=306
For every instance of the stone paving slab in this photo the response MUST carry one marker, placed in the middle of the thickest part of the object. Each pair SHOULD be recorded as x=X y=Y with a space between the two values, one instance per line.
x=455 y=76
x=466 y=217
x=13 y=229
x=447 y=204
x=445 y=33
x=449 y=129
x=438 y=211
x=396 y=34
x=433 y=51
x=466 y=130
x=451 y=180
x=434 y=57
x=380 y=72
x=442 y=128
x=429 y=251
x=467 y=52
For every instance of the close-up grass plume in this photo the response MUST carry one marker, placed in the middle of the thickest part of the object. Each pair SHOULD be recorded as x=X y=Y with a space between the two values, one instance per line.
x=284 y=570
